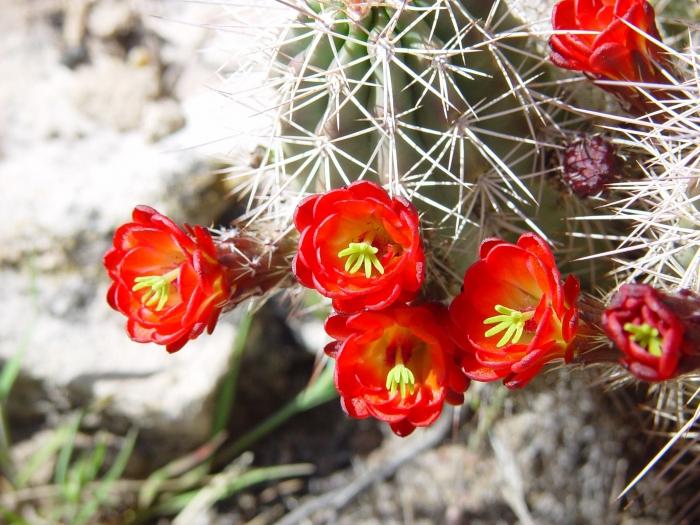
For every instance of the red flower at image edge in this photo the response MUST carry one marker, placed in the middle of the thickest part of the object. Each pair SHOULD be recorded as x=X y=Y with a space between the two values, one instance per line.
x=167 y=282
x=360 y=247
x=397 y=365
x=614 y=51
x=647 y=332
x=514 y=314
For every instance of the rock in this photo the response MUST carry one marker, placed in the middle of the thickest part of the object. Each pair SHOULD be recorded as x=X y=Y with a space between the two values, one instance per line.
x=568 y=453
x=111 y=18
x=75 y=348
x=536 y=14
x=70 y=178
x=115 y=93
x=64 y=213
x=162 y=118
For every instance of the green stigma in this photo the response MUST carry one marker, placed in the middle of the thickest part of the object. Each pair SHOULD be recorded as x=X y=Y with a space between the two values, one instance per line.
x=400 y=378
x=361 y=254
x=512 y=321
x=159 y=288
x=646 y=336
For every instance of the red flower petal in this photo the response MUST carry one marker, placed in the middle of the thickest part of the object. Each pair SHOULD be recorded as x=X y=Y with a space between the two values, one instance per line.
x=154 y=246
x=362 y=212
x=640 y=305
x=368 y=347
x=618 y=51
x=523 y=278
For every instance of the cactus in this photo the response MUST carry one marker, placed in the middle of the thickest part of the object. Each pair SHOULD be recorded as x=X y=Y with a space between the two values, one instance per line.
x=440 y=101
x=452 y=105
x=447 y=103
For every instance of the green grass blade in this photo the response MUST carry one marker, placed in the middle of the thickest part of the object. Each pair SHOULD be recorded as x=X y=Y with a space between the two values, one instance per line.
x=89 y=509
x=178 y=468
x=9 y=374
x=11 y=518
x=64 y=456
x=320 y=391
x=227 y=393
x=41 y=456
x=7 y=467
x=225 y=485
x=94 y=463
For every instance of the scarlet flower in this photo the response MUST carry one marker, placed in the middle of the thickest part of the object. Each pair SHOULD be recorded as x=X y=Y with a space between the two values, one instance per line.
x=397 y=365
x=360 y=247
x=514 y=314
x=613 y=50
x=647 y=331
x=167 y=282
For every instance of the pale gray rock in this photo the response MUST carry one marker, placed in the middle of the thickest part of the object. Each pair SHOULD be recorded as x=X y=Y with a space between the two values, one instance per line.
x=115 y=93
x=69 y=178
x=536 y=13
x=75 y=347
x=111 y=18
x=162 y=118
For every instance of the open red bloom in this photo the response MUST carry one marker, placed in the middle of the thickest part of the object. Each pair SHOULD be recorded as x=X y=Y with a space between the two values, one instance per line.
x=647 y=331
x=167 y=282
x=397 y=365
x=360 y=247
x=613 y=50
x=514 y=314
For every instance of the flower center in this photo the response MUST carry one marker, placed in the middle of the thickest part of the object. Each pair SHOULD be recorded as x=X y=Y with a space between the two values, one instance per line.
x=512 y=321
x=646 y=336
x=361 y=254
x=158 y=288
x=400 y=378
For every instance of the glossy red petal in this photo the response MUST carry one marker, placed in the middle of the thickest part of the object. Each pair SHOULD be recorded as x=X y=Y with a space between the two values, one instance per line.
x=402 y=428
x=153 y=245
x=522 y=277
x=367 y=348
x=362 y=212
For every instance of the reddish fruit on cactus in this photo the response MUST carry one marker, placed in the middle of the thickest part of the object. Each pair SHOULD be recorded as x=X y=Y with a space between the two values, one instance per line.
x=589 y=164
x=167 y=281
x=514 y=313
x=360 y=247
x=615 y=49
x=397 y=365
x=656 y=332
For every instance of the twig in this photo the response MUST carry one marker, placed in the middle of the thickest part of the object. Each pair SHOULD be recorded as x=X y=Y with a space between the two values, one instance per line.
x=339 y=498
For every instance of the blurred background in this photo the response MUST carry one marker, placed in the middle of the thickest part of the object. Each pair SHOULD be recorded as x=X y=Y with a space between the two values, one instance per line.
x=105 y=104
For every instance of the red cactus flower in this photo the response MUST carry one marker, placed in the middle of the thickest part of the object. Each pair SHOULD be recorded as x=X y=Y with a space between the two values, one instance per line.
x=397 y=365
x=615 y=48
x=647 y=331
x=514 y=314
x=167 y=282
x=360 y=247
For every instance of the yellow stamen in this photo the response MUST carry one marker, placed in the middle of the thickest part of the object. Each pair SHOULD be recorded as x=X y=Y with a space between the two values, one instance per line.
x=400 y=378
x=159 y=288
x=512 y=321
x=361 y=254
x=646 y=336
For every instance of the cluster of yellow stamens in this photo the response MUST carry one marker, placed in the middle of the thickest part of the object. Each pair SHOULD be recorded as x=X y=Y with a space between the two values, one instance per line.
x=159 y=288
x=400 y=378
x=645 y=336
x=512 y=321
x=361 y=254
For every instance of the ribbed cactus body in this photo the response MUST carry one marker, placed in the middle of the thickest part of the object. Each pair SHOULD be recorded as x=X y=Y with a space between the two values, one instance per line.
x=377 y=96
x=437 y=100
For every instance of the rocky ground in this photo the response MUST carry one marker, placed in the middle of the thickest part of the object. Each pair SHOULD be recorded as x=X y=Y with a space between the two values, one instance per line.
x=105 y=104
